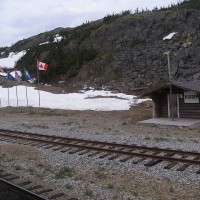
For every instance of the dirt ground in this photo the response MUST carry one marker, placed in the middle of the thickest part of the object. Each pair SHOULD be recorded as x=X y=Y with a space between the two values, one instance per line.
x=111 y=121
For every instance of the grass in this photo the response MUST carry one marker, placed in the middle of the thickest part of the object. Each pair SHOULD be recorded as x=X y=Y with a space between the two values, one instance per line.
x=66 y=171
x=44 y=170
x=15 y=110
x=68 y=186
x=18 y=167
x=40 y=165
x=180 y=140
x=161 y=139
x=134 y=193
x=34 y=126
x=31 y=170
x=87 y=192
x=84 y=120
x=195 y=141
x=80 y=177
x=100 y=174
x=157 y=139
x=25 y=125
x=44 y=112
x=147 y=138
x=40 y=126
x=2 y=157
x=72 y=129
x=110 y=186
x=67 y=123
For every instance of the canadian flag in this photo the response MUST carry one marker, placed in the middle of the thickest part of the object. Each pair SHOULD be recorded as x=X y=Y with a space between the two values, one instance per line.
x=41 y=65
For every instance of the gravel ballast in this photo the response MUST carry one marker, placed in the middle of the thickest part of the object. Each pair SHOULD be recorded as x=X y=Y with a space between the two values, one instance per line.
x=86 y=177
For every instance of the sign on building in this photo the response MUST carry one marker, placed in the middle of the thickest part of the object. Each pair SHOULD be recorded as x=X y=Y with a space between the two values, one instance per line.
x=191 y=97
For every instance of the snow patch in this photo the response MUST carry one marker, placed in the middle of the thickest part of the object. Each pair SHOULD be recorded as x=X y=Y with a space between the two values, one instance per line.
x=169 y=37
x=57 y=38
x=9 y=62
x=44 y=43
x=3 y=74
x=71 y=101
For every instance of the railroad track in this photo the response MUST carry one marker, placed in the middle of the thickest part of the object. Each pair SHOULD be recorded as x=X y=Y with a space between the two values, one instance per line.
x=111 y=151
x=27 y=188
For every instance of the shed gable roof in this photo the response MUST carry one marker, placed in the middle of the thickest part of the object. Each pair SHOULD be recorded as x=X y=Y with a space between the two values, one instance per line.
x=188 y=85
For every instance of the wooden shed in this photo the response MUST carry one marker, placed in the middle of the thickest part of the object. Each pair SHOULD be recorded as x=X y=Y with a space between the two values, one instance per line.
x=184 y=101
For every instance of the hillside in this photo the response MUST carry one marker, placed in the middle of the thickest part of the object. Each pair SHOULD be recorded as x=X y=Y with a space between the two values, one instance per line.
x=124 y=51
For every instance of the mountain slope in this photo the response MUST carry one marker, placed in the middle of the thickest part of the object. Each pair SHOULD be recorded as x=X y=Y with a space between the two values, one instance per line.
x=124 y=51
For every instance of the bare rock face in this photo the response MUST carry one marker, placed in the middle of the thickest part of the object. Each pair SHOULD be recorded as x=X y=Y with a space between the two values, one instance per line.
x=145 y=63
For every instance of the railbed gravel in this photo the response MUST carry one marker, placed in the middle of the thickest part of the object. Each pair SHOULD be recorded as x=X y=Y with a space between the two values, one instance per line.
x=95 y=178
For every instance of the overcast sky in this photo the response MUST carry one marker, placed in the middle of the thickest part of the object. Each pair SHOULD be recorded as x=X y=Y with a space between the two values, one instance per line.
x=21 y=19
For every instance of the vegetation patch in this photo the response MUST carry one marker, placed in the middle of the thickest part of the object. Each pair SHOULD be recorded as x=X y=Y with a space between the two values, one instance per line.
x=66 y=171
x=29 y=126
x=100 y=173
x=110 y=186
x=161 y=139
x=67 y=123
x=87 y=192
x=18 y=167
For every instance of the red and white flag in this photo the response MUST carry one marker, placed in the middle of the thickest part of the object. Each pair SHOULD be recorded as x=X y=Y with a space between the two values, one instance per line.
x=41 y=65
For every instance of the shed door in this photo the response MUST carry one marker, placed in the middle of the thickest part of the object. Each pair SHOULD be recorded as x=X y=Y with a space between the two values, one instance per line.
x=174 y=111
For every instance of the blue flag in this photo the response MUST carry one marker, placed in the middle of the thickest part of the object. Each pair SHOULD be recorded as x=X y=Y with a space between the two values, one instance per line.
x=10 y=77
x=18 y=77
x=27 y=76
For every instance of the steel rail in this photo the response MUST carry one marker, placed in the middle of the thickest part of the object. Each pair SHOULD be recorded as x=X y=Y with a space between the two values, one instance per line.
x=21 y=190
x=118 y=152
x=154 y=149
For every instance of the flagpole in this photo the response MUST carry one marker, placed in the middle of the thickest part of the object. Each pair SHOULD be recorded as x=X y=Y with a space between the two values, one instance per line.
x=17 y=96
x=0 y=101
x=39 y=96
x=38 y=75
x=26 y=97
x=8 y=97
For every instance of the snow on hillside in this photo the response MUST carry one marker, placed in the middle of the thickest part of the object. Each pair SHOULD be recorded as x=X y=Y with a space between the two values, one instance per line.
x=44 y=43
x=3 y=74
x=87 y=100
x=57 y=38
x=9 y=62
x=169 y=37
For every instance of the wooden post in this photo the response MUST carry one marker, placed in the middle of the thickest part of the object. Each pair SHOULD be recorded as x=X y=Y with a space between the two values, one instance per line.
x=26 y=97
x=39 y=97
x=17 y=96
x=38 y=77
x=154 y=111
x=8 y=97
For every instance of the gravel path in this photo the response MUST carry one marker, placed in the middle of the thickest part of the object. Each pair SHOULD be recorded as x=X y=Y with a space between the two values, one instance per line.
x=86 y=177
